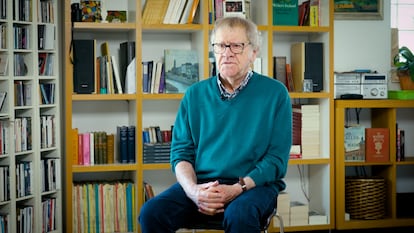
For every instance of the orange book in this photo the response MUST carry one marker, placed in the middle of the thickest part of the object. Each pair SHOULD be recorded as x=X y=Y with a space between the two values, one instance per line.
x=75 y=156
x=377 y=145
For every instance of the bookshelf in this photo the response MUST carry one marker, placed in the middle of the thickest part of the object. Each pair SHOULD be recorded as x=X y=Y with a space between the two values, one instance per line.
x=397 y=174
x=89 y=112
x=30 y=157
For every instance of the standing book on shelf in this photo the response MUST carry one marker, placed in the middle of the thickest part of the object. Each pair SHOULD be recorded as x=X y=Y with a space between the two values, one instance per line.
x=354 y=140
x=285 y=12
x=4 y=61
x=181 y=69
x=3 y=95
x=377 y=145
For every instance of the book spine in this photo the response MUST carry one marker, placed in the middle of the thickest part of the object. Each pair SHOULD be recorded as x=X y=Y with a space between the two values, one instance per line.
x=131 y=144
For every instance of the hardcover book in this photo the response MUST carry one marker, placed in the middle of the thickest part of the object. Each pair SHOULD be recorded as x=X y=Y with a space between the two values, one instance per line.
x=181 y=69
x=377 y=144
x=354 y=143
x=285 y=12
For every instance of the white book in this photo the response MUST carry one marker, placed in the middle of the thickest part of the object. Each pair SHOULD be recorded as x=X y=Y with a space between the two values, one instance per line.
x=169 y=12
x=91 y=149
x=179 y=12
x=186 y=12
x=117 y=74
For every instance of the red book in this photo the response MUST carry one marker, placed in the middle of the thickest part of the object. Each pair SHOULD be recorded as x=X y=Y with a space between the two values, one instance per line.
x=377 y=144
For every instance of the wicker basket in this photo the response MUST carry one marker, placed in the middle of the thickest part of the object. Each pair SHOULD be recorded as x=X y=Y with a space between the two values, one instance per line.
x=365 y=197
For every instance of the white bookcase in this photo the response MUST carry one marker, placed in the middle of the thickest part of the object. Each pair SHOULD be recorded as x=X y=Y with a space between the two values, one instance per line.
x=31 y=149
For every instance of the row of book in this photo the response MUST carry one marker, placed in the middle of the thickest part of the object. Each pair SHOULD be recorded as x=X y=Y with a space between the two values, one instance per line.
x=22 y=10
x=46 y=36
x=3 y=36
x=47 y=93
x=46 y=64
x=4 y=137
x=292 y=14
x=306 y=63
x=25 y=219
x=92 y=148
x=102 y=74
x=170 y=12
x=104 y=207
x=20 y=66
x=178 y=71
x=49 y=214
x=305 y=130
x=51 y=174
x=4 y=222
x=23 y=93
x=22 y=134
x=99 y=147
x=45 y=12
x=4 y=183
x=47 y=131
x=21 y=37
x=367 y=144
x=154 y=134
x=24 y=178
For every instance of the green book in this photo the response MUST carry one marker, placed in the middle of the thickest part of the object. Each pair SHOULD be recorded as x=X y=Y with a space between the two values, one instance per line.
x=285 y=12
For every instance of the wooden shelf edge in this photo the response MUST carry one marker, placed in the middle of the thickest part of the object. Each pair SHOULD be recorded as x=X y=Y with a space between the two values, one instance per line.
x=104 y=168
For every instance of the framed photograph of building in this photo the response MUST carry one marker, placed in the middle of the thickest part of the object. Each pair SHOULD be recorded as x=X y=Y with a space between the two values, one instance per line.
x=358 y=10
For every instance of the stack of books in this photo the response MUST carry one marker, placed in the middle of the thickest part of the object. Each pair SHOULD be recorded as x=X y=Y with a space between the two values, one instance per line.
x=156 y=153
x=283 y=208
x=306 y=122
x=299 y=214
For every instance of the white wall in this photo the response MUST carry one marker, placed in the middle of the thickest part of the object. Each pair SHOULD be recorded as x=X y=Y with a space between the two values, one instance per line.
x=364 y=44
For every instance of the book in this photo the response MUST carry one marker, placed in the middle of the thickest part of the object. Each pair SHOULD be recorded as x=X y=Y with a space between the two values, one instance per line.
x=314 y=13
x=46 y=36
x=131 y=144
x=193 y=11
x=354 y=143
x=279 y=69
x=289 y=78
x=154 y=11
x=181 y=69
x=186 y=12
x=117 y=75
x=307 y=63
x=4 y=62
x=304 y=13
x=122 y=143
x=285 y=12
x=377 y=145
x=126 y=55
x=3 y=95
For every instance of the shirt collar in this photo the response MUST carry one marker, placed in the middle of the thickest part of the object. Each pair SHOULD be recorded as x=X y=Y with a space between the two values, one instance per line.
x=228 y=95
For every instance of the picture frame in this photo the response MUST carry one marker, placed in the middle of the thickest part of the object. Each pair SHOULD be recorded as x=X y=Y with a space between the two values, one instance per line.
x=359 y=10
x=238 y=8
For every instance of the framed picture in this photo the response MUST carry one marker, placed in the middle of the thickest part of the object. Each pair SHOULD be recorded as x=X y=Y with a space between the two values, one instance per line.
x=358 y=10
x=239 y=8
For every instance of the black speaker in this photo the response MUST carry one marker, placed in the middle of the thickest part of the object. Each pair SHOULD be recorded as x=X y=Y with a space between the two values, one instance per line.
x=84 y=66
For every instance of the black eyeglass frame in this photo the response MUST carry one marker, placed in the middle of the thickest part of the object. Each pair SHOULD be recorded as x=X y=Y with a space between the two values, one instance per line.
x=220 y=48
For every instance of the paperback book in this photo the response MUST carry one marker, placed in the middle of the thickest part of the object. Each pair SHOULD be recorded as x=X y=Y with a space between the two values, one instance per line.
x=377 y=144
x=181 y=69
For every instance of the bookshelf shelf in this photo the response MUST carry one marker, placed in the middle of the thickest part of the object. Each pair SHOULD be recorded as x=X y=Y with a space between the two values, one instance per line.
x=309 y=161
x=104 y=168
x=103 y=97
x=104 y=26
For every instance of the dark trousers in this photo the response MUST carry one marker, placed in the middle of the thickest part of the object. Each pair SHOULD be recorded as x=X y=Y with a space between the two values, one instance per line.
x=172 y=209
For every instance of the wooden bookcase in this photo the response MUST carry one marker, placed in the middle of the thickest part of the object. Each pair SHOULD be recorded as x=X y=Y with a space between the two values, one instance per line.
x=397 y=174
x=104 y=112
x=31 y=153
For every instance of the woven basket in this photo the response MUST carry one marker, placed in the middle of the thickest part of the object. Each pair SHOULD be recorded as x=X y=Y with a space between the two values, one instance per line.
x=365 y=197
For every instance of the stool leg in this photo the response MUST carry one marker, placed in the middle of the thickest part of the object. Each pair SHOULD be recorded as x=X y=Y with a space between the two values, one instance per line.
x=281 y=226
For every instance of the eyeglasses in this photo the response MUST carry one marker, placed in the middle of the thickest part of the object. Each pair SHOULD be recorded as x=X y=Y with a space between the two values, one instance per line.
x=235 y=48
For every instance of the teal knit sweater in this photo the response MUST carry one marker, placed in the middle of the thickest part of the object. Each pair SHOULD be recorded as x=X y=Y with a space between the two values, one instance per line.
x=249 y=135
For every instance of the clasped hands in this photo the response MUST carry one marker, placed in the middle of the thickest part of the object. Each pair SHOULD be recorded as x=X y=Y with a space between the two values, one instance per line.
x=212 y=197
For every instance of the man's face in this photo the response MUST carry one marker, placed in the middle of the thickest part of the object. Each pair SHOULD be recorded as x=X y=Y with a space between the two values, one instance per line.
x=236 y=63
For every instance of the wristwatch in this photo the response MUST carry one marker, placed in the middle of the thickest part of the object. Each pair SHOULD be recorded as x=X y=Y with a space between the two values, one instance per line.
x=242 y=184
